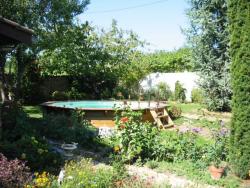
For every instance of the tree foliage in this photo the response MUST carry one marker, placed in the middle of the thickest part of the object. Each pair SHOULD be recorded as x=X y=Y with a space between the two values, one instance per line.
x=97 y=61
x=47 y=18
x=208 y=37
x=239 y=14
x=174 y=61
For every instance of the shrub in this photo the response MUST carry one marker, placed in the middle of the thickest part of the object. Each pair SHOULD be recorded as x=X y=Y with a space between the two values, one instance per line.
x=59 y=95
x=197 y=96
x=179 y=92
x=84 y=174
x=240 y=128
x=72 y=128
x=164 y=92
x=38 y=153
x=25 y=141
x=74 y=94
x=13 y=173
x=135 y=139
x=160 y=92
x=179 y=146
x=31 y=84
x=174 y=112
x=152 y=164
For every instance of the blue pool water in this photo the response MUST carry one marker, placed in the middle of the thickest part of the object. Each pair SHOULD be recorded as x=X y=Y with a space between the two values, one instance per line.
x=103 y=104
x=85 y=104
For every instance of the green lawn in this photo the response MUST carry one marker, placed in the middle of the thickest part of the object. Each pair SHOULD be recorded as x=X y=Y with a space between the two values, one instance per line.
x=33 y=111
x=188 y=107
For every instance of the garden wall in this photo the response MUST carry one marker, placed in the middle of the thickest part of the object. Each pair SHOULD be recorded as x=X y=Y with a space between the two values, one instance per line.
x=188 y=79
x=55 y=83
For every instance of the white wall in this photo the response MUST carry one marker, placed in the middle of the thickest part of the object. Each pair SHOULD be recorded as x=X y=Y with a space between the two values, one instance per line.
x=188 y=79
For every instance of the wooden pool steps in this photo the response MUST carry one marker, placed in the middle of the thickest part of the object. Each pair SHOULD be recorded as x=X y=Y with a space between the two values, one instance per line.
x=162 y=118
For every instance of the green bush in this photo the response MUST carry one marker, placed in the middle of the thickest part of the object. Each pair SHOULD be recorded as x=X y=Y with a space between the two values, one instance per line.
x=179 y=92
x=160 y=92
x=59 y=96
x=174 y=112
x=152 y=164
x=164 y=92
x=23 y=140
x=67 y=128
x=197 y=96
x=184 y=146
x=134 y=138
x=239 y=19
x=38 y=153
x=83 y=174
x=73 y=94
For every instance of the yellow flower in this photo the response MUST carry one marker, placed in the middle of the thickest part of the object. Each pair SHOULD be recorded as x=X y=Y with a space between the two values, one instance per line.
x=116 y=148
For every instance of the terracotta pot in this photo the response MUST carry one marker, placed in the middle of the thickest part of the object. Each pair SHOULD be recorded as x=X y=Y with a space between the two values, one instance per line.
x=118 y=183
x=215 y=172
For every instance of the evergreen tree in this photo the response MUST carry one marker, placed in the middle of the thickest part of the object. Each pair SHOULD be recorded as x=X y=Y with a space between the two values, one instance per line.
x=239 y=19
x=208 y=37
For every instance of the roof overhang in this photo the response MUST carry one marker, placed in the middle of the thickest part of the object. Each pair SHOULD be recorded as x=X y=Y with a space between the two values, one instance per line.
x=12 y=33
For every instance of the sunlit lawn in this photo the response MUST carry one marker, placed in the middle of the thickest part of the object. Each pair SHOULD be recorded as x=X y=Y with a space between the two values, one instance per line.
x=33 y=111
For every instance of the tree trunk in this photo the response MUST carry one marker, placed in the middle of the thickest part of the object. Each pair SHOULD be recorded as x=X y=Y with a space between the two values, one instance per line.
x=21 y=64
x=2 y=77
x=2 y=88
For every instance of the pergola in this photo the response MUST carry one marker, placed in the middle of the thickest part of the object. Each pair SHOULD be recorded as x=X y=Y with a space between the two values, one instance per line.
x=11 y=34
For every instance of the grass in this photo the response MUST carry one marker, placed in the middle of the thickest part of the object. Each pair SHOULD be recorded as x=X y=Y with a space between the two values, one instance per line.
x=191 y=171
x=188 y=107
x=33 y=111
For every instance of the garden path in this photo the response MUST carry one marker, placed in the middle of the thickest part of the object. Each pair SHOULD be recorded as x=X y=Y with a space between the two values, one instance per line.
x=167 y=177
x=210 y=116
x=160 y=179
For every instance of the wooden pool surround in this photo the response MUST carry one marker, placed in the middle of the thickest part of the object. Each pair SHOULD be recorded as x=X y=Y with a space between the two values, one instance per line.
x=101 y=117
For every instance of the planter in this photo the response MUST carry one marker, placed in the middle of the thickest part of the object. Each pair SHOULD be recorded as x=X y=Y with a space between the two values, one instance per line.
x=216 y=173
x=68 y=149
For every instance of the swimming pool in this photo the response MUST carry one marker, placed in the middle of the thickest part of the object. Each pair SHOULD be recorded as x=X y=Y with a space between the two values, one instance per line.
x=101 y=113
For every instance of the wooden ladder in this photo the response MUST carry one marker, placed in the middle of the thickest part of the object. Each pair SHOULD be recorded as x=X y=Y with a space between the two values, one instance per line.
x=162 y=119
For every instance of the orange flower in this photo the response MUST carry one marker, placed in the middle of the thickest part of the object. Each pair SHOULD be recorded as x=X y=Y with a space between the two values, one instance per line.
x=124 y=119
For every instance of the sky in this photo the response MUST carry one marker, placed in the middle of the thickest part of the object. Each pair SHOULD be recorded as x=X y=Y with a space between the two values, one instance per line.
x=159 y=22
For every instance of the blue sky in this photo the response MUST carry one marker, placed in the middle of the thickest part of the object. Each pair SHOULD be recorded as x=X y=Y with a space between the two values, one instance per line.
x=158 y=24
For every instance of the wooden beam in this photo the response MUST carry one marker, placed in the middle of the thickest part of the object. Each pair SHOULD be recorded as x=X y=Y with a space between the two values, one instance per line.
x=15 y=32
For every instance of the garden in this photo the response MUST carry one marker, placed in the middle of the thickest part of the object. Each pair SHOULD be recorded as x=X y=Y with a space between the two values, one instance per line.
x=207 y=145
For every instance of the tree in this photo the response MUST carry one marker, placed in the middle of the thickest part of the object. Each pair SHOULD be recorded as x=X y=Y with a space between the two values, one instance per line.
x=239 y=19
x=97 y=61
x=208 y=37
x=47 y=18
x=179 y=92
x=174 y=61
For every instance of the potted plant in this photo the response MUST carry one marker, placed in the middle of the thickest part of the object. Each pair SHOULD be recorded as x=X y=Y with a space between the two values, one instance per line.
x=216 y=170
x=218 y=153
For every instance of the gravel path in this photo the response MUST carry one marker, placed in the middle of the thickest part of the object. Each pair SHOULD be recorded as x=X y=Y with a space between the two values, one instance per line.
x=161 y=178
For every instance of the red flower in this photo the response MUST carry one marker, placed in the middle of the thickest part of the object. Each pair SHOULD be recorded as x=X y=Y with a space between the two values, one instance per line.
x=124 y=119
